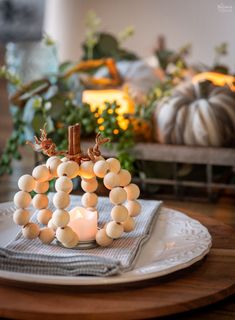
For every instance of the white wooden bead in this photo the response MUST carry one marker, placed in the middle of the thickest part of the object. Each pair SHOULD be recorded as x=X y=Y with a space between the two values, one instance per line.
x=50 y=159
x=52 y=164
x=41 y=173
x=86 y=170
x=60 y=218
x=101 y=168
x=111 y=180
x=46 y=235
x=64 y=184
x=89 y=186
x=102 y=239
x=51 y=225
x=132 y=191
x=41 y=187
x=22 y=199
x=89 y=180
x=114 y=165
x=74 y=168
x=134 y=208
x=26 y=183
x=61 y=200
x=21 y=217
x=40 y=201
x=129 y=224
x=44 y=216
x=124 y=177
x=114 y=230
x=64 y=159
x=92 y=209
x=51 y=177
x=65 y=235
x=117 y=195
x=73 y=243
x=89 y=199
x=119 y=213
x=69 y=169
x=31 y=231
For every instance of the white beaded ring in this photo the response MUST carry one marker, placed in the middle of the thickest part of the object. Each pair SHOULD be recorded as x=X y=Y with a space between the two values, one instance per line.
x=123 y=195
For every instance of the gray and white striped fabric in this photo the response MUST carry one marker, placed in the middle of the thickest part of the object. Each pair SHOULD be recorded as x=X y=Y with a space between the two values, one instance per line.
x=22 y=255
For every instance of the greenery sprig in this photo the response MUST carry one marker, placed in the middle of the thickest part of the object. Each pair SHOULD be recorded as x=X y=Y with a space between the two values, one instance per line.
x=13 y=144
x=98 y=44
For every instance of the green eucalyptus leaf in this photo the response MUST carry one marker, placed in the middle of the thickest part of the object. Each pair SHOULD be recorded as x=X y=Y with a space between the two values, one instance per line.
x=28 y=133
x=107 y=45
x=16 y=155
x=65 y=66
x=35 y=88
x=14 y=136
x=38 y=122
x=4 y=159
x=37 y=104
x=50 y=125
x=57 y=107
x=51 y=92
x=29 y=110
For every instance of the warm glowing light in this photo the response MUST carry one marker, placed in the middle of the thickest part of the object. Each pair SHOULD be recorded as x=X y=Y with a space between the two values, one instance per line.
x=116 y=131
x=216 y=78
x=100 y=120
x=84 y=223
x=101 y=128
x=97 y=98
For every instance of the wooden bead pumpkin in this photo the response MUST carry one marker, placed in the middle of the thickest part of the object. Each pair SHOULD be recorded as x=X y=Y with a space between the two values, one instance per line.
x=88 y=167
x=196 y=114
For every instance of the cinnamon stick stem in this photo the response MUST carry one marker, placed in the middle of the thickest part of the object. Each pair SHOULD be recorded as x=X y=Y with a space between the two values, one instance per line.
x=70 y=140
x=76 y=139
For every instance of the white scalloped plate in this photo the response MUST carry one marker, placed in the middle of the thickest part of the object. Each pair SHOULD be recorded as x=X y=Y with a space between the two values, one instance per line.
x=177 y=242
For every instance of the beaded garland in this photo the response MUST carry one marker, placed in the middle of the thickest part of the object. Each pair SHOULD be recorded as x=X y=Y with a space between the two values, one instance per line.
x=123 y=195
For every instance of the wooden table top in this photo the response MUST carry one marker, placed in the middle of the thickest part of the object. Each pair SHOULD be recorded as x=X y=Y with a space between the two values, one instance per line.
x=205 y=283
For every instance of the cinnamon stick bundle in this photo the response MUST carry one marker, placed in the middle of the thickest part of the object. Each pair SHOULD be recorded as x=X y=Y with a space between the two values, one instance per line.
x=74 y=147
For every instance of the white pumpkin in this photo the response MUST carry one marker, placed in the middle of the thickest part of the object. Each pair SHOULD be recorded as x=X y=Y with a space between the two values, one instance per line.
x=196 y=116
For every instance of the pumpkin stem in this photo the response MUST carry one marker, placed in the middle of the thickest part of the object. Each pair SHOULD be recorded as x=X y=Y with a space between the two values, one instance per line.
x=201 y=88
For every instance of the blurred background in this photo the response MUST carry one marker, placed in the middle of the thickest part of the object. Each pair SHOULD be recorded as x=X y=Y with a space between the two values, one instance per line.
x=155 y=76
x=201 y=23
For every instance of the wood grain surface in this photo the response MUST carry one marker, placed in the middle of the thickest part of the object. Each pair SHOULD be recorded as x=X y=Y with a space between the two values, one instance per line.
x=205 y=283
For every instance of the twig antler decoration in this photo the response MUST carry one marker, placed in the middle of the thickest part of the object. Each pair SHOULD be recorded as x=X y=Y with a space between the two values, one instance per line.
x=44 y=144
x=95 y=151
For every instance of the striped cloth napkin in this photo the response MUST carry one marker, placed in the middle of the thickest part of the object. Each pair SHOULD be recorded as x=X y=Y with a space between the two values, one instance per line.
x=22 y=255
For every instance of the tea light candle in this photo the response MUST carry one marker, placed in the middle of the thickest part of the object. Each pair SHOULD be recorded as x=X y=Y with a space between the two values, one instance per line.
x=84 y=223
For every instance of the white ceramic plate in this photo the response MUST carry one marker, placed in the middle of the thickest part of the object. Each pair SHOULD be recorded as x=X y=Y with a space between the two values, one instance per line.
x=177 y=242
